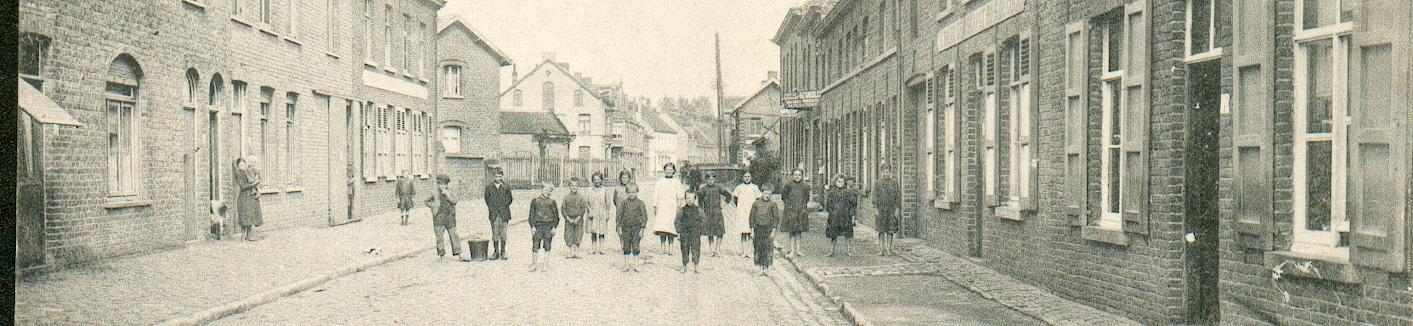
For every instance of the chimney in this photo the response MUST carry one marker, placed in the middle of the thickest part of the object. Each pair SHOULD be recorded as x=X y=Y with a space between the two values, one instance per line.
x=771 y=75
x=587 y=80
x=514 y=73
x=547 y=55
x=564 y=65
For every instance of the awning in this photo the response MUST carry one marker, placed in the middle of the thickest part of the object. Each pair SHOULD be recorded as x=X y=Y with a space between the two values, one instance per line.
x=41 y=108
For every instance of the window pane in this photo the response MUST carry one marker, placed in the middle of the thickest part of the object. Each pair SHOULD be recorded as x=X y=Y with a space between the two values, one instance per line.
x=1115 y=45
x=1346 y=10
x=1319 y=91
x=1317 y=184
x=1318 y=13
x=1115 y=176
x=1201 y=21
x=1115 y=113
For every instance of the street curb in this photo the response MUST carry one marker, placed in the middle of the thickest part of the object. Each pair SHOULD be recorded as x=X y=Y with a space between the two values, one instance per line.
x=848 y=310
x=255 y=300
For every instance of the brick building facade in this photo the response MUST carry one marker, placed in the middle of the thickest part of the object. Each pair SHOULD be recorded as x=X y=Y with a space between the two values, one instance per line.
x=1111 y=152
x=169 y=94
x=468 y=124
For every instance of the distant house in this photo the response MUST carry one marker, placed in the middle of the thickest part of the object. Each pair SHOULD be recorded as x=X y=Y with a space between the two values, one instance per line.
x=469 y=70
x=666 y=139
x=757 y=117
x=532 y=146
x=550 y=88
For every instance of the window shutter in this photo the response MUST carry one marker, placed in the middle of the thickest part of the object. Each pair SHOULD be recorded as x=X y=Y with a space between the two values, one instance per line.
x=992 y=102
x=365 y=113
x=1378 y=194
x=1251 y=120
x=1031 y=134
x=1135 y=137
x=1076 y=123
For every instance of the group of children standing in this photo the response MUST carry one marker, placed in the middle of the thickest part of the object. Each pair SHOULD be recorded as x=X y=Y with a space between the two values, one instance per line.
x=674 y=211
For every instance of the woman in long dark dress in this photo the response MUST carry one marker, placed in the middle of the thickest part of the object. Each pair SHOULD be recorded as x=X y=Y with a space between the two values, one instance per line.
x=796 y=198
x=710 y=197
x=841 y=203
x=248 y=201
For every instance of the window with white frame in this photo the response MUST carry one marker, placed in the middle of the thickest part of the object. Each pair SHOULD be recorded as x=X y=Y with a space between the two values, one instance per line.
x=547 y=101
x=331 y=29
x=452 y=76
x=416 y=142
x=419 y=49
x=267 y=159
x=578 y=97
x=265 y=12
x=1020 y=148
x=239 y=107
x=193 y=80
x=1202 y=29
x=1112 y=160
x=933 y=169
x=388 y=36
x=428 y=146
x=384 y=139
x=235 y=8
x=1323 y=47
x=33 y=56
x=121 y=92
x=517 y=98
x=369 y=138
x=406 y=53
x=293 y=161
x=293 y=19
x=368 y=23
x=451 y=139
x=585 y=124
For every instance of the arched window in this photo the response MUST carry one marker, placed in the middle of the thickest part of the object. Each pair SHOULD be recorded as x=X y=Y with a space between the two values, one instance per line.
x=518 y=97
x=548 y=102
x=121 y=93
x=578 y=97
x=193 y=80
x=218 y=86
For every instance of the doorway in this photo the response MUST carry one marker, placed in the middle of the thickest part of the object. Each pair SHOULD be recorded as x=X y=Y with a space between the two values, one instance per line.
x=337 y=169
x=213 y=164
x=1202 y=259
x=29 y=191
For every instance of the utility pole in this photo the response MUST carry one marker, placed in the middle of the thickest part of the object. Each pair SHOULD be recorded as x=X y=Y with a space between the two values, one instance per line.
x=720 y=97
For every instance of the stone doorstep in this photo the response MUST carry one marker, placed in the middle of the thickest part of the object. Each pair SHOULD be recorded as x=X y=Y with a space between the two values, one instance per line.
x=320 y=278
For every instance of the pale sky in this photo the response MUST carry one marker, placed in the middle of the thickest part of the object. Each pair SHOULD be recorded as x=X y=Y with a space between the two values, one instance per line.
x=655 y=47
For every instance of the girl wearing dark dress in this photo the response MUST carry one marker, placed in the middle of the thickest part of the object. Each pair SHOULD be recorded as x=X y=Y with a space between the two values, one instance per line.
x=248 y=201
x=841 y=203
x=764 y=217
x=887 y=197
x=710 y=197
x=796 y=197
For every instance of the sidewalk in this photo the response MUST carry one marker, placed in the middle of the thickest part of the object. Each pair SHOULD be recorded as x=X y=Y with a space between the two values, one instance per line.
x=214 y=277
x=925 y=286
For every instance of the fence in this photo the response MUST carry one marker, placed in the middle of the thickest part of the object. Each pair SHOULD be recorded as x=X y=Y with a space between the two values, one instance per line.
x=524 y=172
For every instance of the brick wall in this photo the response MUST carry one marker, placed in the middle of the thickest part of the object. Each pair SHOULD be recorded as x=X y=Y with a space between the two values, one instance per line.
x=476 y=112
x=166 y=39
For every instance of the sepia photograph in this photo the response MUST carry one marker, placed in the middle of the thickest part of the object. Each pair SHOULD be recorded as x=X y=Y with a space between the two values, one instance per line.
x=713 y=162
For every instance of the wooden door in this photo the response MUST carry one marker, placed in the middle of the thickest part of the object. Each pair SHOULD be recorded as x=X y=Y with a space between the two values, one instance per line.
x=337 y=168
x=29 y=195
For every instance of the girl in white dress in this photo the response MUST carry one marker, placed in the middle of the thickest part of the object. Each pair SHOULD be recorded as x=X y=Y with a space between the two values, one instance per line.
x=746 y=193
x=666 y=200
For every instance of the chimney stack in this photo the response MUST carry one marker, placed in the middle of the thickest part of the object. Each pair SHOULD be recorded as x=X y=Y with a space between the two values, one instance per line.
x=547 y=55
x=514 y=73
x=564 y=65
x=771 y=75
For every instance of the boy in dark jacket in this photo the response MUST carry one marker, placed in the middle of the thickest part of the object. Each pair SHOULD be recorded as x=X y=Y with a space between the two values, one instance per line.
x=544 y=218
x=632 y=215
x=764 y=217
x=405 y=193
x=689 y=229
x=498 y=200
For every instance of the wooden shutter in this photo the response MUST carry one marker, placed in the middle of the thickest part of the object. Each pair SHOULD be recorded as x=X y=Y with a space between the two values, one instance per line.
x=990 y=100
x=1076 y=123
x=1136 y=107
x=1253 y=60
x=1030 y=135
x=365 y=114
x=1380 y=109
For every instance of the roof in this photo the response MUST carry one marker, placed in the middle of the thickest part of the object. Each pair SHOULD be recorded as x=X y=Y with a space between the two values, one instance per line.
x=759 y=91
x=657 y=123
x=41 y=108
x=455 y=20
x=582 y=85
x=732 y=101
x=515 y=122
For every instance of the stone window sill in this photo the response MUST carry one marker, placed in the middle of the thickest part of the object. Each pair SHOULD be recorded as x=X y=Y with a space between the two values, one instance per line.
x=453 y=97
x=422 y=80
x=1008 y=213
x=266 y=29
x=117 y=203
x=332 y=55
x=241 y=21
x=195 y=4
x=294 y=41
x=294 y=189
x=370 y=64
x=462 y=155
x=1104 y=235
x=1313 y=266
x=370 y=180
x=945 y=13
x=269 y=191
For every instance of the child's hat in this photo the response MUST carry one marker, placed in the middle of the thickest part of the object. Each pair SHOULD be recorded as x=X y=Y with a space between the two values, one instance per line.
x=443 y=178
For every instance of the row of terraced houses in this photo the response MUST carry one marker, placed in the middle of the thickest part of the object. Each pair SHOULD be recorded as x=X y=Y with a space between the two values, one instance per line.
x=1176 y=161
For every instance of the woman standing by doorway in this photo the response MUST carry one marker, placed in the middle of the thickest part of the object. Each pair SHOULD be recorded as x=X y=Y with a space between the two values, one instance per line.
x=248 y=201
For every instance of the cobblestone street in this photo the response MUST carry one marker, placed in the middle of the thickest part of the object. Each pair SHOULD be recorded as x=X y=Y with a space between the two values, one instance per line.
x=592 y=290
